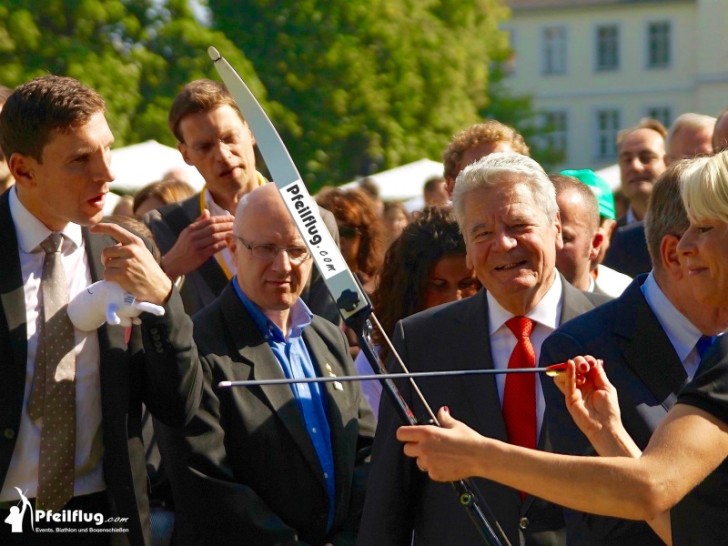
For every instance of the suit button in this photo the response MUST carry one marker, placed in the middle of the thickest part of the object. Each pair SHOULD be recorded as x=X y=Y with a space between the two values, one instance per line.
x=523 y=523
x=8 y=434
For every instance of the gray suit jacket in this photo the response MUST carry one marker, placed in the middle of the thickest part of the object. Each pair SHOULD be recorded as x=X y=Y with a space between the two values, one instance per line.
x=245 y=471
x=158 y=366
x=642 y=364
x=400 y=498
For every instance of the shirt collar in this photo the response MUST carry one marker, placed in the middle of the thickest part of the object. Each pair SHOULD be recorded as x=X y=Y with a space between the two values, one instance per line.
x=631 y=218
x=680 y=331
x=546 y=312
x=217 y=210
x=300 y=316
x=31 y=232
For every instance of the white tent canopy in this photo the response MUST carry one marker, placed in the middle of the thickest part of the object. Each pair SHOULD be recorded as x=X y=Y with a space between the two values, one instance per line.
x=611 y=175
x=404 y=182
x=137 y=165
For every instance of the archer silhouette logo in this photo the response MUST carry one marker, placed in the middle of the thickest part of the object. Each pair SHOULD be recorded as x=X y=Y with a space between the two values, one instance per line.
x=17 y=515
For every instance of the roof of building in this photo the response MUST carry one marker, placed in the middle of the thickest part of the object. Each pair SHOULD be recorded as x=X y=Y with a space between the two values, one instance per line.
x=517 y=5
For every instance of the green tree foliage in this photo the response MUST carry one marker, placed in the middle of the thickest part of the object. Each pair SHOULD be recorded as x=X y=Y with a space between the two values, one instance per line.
x=517 y=111
x=136 y=53
x=372 y=84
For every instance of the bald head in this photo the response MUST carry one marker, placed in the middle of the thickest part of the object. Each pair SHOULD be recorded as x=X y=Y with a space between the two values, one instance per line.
x=720 y=132
x=264 y=200
x=690 y=135
x=273 y=263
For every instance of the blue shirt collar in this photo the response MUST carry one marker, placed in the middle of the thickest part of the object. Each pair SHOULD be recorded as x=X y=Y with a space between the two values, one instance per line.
x=300 y=316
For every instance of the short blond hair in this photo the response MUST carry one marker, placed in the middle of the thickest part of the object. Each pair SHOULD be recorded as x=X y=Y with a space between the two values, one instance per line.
x=705 y=188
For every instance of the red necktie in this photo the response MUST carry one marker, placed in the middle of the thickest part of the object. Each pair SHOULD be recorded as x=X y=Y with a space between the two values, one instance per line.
x=519 y=395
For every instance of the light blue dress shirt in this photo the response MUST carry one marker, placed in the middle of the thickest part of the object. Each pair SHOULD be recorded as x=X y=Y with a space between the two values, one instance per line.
x=295 y=360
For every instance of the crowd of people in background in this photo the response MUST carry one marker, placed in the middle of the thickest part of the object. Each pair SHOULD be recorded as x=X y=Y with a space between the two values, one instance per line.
x=506 y=266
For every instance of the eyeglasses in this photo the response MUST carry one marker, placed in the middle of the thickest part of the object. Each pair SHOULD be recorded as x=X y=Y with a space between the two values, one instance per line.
x=266 y=252
x=348 y=232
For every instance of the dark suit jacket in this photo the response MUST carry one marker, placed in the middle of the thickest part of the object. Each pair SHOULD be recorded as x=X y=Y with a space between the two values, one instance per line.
x=169 y=381
x=400 y=498
x=642 y=364
x=203 y=285
x=245 y=471
x=702 y=516
x=628 y=252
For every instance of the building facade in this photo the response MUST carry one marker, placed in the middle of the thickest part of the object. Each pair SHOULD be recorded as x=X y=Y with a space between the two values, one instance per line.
x=594 y=67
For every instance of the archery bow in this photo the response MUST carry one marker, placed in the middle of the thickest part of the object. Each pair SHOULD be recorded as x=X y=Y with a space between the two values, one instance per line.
x=351 y=301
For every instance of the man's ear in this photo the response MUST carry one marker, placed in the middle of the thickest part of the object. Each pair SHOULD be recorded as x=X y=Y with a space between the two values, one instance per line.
x=22 y=167
x=449 y=185
x=608 y=226
x=559 y=234
x=252 y=136
x=231 y=242
x=182 y=147
x=669 y=255
x=596 y=245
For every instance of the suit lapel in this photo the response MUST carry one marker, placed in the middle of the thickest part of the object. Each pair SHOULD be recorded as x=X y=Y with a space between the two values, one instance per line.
x=338 y=396
x=656 y=364
x=574 y=303
x=255 y=352
x=481 y=392
x=12 y=304
x=114 y=375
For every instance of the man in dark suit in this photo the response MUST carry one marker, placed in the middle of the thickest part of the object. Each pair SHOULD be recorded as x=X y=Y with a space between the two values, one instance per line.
x=641 y=151
x=57 y=141
x=647 y=339
x=274 y=464
x=506 y=208
x=213 y=136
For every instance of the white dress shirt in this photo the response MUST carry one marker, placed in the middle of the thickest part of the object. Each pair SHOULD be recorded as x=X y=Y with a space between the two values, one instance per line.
x=23 y=469
x=545 y=315
x=680 y=331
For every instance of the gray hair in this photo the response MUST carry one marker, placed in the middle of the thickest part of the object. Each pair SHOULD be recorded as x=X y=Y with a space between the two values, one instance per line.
x=666 y=213
x=489 y=171
x=705 y=188
x=689 y=120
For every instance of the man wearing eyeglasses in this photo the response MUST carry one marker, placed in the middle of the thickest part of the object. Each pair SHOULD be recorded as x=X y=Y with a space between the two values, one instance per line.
x=274 y=464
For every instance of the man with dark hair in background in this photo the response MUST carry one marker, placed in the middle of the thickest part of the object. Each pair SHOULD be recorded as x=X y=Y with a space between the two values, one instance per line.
x=6 y=179
x=642 y=158
x=213 y=136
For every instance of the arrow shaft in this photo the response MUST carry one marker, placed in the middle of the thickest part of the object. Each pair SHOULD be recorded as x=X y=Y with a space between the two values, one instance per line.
x=376 y=377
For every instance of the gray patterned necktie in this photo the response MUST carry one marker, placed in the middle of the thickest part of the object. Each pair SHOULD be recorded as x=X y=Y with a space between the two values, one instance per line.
x=53 y=395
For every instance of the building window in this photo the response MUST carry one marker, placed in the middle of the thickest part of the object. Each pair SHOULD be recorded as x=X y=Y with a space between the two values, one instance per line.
x=607 y=128
x=663 y=114
x=607 y=47
x=555 y=131
x=658 y=44
x=554 y=50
